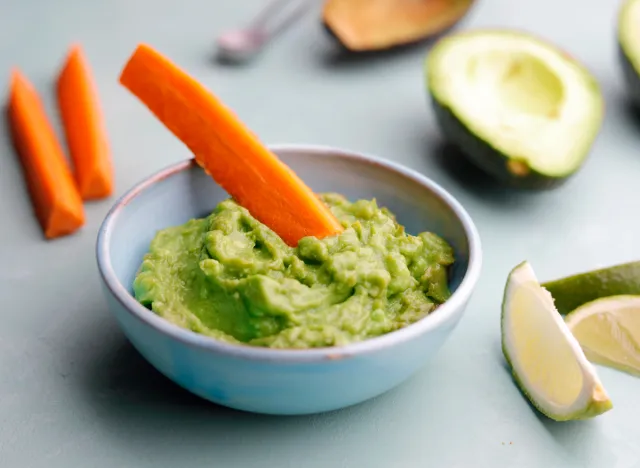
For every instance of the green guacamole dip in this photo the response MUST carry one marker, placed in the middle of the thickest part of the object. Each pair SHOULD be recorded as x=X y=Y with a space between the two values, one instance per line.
x=230 y=277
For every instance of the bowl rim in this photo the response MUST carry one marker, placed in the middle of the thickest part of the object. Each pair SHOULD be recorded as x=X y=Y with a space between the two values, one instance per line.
x=193 y=339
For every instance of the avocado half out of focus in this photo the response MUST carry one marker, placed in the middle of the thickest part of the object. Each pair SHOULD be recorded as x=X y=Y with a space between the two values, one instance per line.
x=629 y=47
x=518 y=107
x=368 y=25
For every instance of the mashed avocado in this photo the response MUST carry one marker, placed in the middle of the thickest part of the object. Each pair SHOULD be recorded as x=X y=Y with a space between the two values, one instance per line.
x=230 y=277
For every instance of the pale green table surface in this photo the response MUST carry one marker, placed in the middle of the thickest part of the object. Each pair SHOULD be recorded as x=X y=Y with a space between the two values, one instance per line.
x=73 y=392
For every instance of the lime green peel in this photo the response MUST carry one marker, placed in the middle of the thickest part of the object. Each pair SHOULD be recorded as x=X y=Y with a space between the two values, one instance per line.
x=575 y=290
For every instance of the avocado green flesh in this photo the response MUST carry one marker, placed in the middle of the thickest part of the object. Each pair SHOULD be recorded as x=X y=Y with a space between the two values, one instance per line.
x=629 y=47
x=230 y=277
x=520 y=82
x=519 y=108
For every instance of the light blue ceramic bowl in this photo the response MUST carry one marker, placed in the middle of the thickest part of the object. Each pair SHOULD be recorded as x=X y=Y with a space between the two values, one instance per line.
x=284 y=381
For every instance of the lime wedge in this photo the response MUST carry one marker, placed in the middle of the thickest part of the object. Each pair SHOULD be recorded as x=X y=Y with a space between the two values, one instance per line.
x=608 y=330
x=546 y=360
x=573 y=291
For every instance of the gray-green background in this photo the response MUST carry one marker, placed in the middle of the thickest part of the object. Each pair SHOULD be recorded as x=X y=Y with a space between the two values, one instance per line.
x=73 y=393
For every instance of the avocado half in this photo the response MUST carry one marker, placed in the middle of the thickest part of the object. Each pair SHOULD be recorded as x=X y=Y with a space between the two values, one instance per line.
x=629 y=47
x=517 y=106
x=368 y=25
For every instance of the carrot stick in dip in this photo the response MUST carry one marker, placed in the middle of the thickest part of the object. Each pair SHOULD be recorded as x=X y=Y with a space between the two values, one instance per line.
x=227 y=149
x=55 y=198
x=84 y=128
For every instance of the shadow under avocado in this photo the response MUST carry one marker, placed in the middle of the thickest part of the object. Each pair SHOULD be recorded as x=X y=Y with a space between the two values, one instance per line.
x=632 y=112
x=451 y=159
x=466 y=174
x=339 y=56
x=477 y=182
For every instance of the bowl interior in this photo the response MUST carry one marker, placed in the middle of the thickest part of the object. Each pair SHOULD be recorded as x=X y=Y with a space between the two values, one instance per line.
x=184 y=191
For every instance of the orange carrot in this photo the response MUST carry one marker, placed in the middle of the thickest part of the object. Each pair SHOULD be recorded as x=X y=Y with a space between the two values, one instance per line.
x=54 y=195
x=84 y=128
x=226 y=149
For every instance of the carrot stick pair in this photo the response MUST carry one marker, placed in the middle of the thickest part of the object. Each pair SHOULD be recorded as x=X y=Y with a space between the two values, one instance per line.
x=56 y=197
x=227 y=149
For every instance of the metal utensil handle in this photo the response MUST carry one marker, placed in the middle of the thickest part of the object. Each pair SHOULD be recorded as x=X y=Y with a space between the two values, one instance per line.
x=268 y=22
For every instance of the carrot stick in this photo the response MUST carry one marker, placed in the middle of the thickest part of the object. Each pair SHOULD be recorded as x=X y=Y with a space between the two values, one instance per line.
x=226 y=149
x=55 y=198
x=83 y=126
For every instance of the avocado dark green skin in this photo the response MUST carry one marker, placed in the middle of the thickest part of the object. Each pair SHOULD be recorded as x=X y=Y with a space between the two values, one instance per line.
x=630 y=76
x=486 y=157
